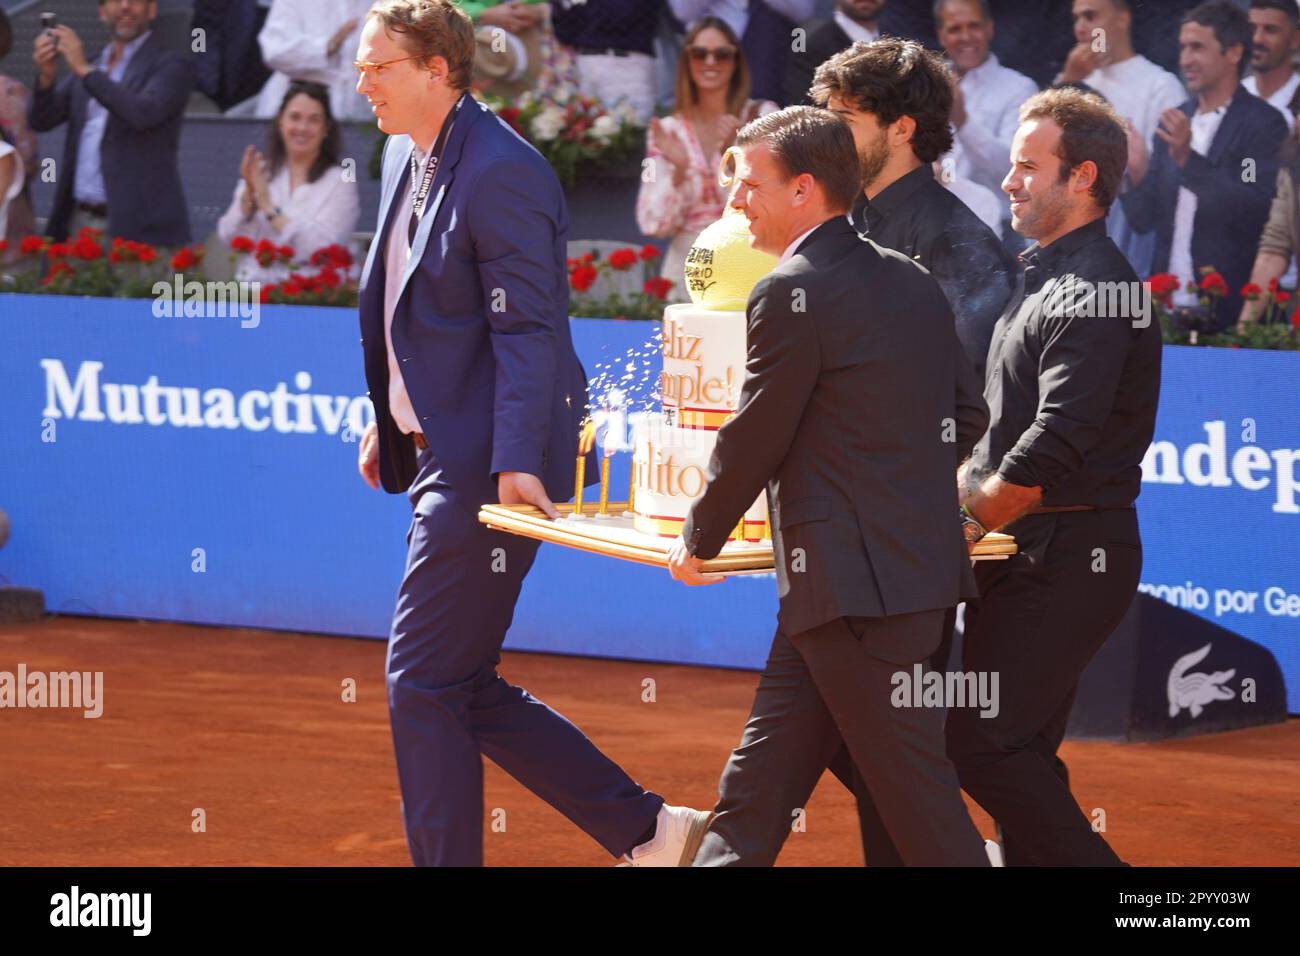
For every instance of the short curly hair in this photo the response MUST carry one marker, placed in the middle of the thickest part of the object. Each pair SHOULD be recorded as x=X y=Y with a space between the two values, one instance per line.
x=432 y=28
x=891 y=78
x=1090 y=130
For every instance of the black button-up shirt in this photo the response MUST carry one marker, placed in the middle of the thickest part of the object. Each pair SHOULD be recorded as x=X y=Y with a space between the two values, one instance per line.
x=917 y=216
x=1073 y=376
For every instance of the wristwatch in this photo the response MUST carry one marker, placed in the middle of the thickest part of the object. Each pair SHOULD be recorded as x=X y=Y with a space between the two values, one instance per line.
x=971 y=528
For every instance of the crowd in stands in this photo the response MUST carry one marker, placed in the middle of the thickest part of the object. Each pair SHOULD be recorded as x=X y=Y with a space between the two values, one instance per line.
x=1209 y=91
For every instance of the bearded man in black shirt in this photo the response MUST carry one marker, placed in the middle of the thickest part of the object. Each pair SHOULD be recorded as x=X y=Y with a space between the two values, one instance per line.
x=1072 y=386
x=896 y=97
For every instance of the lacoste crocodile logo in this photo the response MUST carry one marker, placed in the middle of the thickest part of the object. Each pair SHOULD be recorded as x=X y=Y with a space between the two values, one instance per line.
x=1194 y=691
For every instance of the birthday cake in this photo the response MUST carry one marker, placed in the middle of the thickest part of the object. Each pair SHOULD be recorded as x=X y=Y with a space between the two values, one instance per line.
x=704 y=366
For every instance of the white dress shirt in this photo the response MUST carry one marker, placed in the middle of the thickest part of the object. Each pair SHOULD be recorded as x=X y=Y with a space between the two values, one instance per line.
x=992 y=95
x=319 y=214
x=856 y=31
x=397 y=254
x=790 y=249
x=88 y=186
x=1140 y=91
x=1204 y=128
x=1281 y=100
x=295 y=43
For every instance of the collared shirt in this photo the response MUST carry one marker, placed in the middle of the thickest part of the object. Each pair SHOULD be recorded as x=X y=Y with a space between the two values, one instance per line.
x=397 y=255
x=1140 y=91
x=794 y=246
x=918 y=217
x=88 y=186
x=1204 y=128
x=1073 y=378
x=856 y=31
x=992 y=95
x=1281 y=99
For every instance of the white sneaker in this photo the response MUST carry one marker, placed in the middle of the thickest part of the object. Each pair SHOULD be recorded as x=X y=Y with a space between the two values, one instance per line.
x=994 y=849
x=678 y=832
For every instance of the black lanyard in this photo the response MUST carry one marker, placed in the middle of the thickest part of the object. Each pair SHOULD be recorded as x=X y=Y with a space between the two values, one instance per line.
x=430 y=171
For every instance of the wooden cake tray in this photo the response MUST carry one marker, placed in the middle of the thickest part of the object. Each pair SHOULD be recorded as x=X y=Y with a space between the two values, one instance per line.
x=613 y=536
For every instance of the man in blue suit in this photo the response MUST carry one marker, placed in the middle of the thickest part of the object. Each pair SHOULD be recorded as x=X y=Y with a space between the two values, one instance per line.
x=1207 y=186
x=478 y=397
x=124 y=111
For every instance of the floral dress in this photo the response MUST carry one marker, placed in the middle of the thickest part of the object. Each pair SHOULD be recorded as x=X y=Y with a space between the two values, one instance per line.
x=13 y=120
x=664 y=209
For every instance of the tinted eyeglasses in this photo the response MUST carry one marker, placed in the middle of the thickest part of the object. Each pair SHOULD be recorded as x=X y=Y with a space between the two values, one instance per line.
x=718 y=54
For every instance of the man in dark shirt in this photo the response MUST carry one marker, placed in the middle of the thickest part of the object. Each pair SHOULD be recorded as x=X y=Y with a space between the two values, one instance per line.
x=1072 y=385
x=896 y=96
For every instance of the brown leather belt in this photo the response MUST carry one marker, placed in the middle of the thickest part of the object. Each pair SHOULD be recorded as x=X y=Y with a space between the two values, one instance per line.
x=420 y=443
x=1059 y=508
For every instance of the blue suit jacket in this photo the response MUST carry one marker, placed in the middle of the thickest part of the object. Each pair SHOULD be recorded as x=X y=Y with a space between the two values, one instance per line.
x=481 y=326
x=138 y=152
x=1230 y=209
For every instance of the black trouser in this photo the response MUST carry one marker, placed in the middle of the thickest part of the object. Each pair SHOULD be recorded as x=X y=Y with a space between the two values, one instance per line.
x=877 y=847
x=1041 y=617
x=833 y=685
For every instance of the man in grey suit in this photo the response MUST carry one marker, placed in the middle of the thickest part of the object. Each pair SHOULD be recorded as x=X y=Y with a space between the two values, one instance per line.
x=856 y=406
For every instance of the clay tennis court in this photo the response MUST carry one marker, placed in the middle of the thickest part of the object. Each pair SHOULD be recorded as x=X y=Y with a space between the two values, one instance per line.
x=250 y=726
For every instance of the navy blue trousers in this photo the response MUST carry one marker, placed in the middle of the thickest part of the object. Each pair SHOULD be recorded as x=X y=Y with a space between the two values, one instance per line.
x=449 y=707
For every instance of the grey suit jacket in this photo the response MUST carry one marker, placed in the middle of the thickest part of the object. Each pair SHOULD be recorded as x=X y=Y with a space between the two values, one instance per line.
x=856 y=409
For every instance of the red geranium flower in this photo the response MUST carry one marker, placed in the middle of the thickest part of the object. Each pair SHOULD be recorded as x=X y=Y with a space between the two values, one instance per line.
x=57 y=270
x=1283 y=297
x=31 y=245
x=1250 y=291
x=1163 y=285
x=58 y=250
x=241 y=244
x=1272 y=285
x=286 y=253
x=1214 y=284
x=4 y=245
x=658 y=287
x=87 y=248
x=144 y=252
x=264 y=296
x=582 y=278
x=648 y=253
x=622 y=259
x=184 y=259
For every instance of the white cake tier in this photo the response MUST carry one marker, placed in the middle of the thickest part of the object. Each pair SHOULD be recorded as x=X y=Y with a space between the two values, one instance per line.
x=704 y=365
x=669 y=467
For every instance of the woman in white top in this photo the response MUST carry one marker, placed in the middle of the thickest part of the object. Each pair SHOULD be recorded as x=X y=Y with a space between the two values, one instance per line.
x=298 y=195
x=681 y=195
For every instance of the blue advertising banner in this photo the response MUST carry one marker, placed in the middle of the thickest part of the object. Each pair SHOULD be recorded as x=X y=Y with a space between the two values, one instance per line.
x=203 y=469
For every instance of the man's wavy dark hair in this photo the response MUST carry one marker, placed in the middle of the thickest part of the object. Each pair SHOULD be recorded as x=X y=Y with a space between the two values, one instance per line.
x=891 y=78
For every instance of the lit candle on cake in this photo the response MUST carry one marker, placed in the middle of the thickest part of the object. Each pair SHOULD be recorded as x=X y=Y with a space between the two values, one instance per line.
x=603 y=510
x=586 y=439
